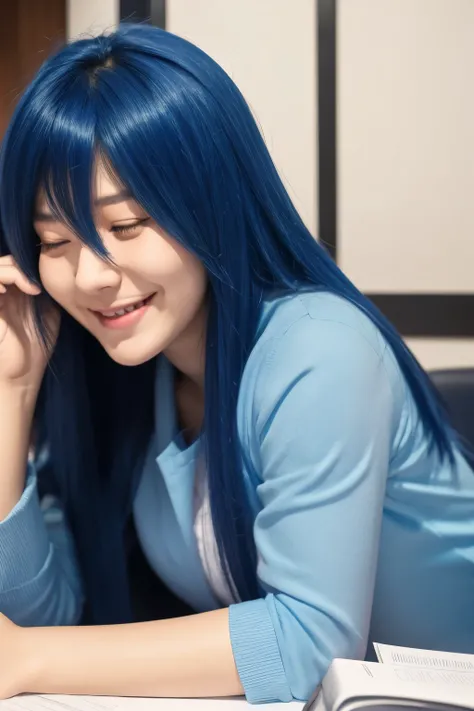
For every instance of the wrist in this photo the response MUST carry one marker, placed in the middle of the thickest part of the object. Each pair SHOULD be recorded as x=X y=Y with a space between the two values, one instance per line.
x=21 y=663
x=56 y=661
x=31 y=655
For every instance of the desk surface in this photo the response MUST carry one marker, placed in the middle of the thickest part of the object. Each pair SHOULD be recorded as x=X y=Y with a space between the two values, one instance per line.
x=35 y=702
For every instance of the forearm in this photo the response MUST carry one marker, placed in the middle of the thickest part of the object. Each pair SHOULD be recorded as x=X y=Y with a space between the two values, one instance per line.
x=16 y=415
x=184 y=657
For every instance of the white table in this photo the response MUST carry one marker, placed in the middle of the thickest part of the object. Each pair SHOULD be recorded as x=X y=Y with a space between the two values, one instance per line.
x=35 y=702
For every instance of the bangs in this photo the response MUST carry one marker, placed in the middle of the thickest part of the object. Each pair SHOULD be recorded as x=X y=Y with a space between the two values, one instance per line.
x=49 y=155
x=70 y=194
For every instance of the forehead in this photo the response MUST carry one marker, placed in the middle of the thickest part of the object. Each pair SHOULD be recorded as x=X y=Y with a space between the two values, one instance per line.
x=104 y=182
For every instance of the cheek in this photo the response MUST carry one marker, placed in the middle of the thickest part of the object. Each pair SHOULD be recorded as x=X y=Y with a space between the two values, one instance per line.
x=180 y=274
x=55 y=280
x=187 y=282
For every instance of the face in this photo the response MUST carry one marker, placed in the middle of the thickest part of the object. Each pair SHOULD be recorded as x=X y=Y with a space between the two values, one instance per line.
x=149 y=300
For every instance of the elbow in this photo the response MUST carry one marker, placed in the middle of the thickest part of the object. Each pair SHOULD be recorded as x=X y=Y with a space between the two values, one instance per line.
x=51 y=599
x=66 y=606
x=346 y=643
x=316 y=662
x=283 y=647
x=308 y=647
x=62 y=608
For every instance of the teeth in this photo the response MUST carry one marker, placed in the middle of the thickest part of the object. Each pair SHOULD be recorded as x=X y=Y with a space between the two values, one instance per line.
x=125 y=310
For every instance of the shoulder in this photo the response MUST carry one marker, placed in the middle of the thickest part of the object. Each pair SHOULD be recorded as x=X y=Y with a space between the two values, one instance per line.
x=327 y=341
x=322 y=321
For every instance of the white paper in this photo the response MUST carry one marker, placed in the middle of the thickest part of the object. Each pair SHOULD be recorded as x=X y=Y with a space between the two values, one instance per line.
x=405 y=656
x=37 y=702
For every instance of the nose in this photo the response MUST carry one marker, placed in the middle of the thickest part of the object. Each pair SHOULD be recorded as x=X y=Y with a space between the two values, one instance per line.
x=94 y=273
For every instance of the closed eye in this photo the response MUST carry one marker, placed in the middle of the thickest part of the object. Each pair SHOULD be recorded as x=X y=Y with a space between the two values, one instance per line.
x=130 y=228
x=49 y=246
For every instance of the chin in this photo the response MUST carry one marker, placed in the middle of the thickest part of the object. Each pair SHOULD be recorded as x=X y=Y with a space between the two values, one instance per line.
x=131 y=355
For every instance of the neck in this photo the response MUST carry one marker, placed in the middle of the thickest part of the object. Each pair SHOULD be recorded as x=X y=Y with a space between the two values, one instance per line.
x=188 y=352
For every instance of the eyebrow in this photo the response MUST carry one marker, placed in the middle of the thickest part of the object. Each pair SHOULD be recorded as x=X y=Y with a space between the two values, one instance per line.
x=113 y=199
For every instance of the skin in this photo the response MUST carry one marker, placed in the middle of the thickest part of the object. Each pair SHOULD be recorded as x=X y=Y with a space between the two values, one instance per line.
x=146 y=261
x=186 y=657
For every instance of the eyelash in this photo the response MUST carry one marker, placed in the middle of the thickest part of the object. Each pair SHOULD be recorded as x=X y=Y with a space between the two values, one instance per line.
x=49 y=246
x=126 y=229
x=117 y=229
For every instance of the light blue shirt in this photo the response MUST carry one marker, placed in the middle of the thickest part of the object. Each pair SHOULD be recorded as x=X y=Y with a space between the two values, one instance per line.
x=361 y=533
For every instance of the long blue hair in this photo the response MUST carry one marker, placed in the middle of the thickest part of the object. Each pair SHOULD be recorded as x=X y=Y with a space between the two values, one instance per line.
x=178 y=134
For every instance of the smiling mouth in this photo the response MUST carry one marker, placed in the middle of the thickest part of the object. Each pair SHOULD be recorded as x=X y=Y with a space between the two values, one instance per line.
x=111 y=315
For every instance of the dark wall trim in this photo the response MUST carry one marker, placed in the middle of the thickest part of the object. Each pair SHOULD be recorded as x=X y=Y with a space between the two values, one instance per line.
x=150 y=11
x=428 y=315
x=135 y=10
x=327 y=118
x=425 y=315
x=158 y=13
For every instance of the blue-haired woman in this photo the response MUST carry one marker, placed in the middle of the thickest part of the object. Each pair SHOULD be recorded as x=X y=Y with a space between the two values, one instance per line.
x=197 y=365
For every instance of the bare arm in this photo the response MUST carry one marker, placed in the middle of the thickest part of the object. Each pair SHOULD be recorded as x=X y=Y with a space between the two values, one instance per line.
x=23 y=360
x=183 y=657
x=16 y=413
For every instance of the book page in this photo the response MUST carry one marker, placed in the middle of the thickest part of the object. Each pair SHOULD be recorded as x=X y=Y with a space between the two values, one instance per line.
x=351 y=680
x=406 y=656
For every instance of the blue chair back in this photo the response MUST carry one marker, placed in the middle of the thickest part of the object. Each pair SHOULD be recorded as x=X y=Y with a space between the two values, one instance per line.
x=456 y=387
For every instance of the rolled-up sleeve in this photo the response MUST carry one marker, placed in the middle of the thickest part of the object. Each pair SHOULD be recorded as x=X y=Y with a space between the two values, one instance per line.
x=40 y=583
x=324 y=409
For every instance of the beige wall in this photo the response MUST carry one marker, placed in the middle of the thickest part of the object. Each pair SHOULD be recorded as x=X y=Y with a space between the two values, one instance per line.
x=91 y=16
x=436 y=353
x=267 y=46
x=406 y=152
x=406 y=144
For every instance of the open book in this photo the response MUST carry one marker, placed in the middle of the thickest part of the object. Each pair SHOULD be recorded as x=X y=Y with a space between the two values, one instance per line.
x=408 y=679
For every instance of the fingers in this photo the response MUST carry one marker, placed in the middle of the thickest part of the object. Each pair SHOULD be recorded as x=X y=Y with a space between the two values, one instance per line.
x=11 y=275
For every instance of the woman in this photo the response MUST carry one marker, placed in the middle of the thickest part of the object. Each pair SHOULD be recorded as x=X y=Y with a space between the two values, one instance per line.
x=215 y=377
